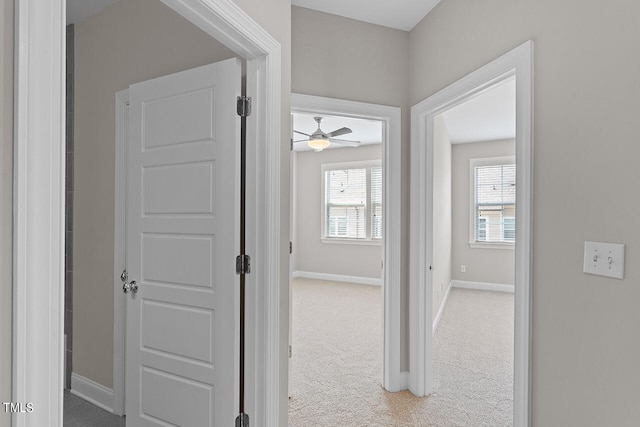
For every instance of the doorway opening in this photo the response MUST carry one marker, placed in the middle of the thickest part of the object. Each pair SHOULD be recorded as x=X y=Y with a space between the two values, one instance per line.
x=336 y=266
x=39 y=180
x=378 y=234
x=474 y=196
x=514 y=65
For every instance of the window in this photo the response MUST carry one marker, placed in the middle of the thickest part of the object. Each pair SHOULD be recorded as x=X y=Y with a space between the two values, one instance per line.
x=494 y=200
x=352 y=201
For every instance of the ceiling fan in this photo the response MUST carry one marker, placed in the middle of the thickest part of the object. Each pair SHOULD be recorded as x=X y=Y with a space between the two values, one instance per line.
x=319 y=140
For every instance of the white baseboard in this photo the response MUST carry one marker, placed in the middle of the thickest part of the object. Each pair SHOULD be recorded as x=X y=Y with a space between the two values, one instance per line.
x=481 y=286
x=91 y=391
x=404 y=380
x=338 y=278
x=436 y=321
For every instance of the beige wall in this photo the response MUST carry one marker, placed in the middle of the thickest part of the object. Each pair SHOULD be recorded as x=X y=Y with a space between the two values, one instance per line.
x=441 y=276
x=128 y=42
x=585 y=346
x=341 y=58
x=6 y=195
x=482 y=264
x=311 y=254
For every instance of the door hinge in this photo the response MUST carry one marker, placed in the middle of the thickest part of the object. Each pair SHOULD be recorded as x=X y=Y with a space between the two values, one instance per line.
x=243 y=264
x=291 y=147
x=290 y=248
x=244 y=106
x=242 y=420
x=290 y=352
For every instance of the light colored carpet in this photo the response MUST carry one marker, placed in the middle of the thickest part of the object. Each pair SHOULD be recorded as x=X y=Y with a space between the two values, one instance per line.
x=337 y=361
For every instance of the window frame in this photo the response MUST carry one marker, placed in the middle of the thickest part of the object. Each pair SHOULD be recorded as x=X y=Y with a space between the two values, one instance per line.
x=360 y=164
x=473 y=164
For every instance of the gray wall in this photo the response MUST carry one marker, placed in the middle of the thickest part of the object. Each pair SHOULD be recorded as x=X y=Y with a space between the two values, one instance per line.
x=311 y=254
x=482 y=264
x=585 y=328
x=442 y=206
x=128 y=42
x=342 y=58
x=68 y=239
x=6 y=195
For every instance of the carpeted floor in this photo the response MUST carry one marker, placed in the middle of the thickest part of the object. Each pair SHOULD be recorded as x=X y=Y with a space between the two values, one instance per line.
x=337 y=364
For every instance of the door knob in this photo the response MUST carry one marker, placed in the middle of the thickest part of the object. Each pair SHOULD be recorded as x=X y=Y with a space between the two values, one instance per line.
x=130 y=286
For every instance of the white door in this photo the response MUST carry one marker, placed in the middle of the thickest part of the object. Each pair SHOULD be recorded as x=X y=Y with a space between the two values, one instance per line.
x=182 y=228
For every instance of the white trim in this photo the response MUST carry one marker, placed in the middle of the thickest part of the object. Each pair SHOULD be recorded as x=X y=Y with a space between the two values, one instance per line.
x=92 y=392
x=492 y=245
x=39 y=208
x=392 y=190
x=436 y=321
x=120 y=254
x=338 y=278
x=39 y=203
x=346 y=241
x=519 y=63
x=483 y=286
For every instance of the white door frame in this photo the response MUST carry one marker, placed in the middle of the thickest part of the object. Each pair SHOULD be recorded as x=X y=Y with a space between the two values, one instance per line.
x=393 y=378
x=39 y=164
x=519 y=63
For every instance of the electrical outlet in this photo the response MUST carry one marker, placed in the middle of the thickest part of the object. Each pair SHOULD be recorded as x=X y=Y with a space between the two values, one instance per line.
x=463 y=268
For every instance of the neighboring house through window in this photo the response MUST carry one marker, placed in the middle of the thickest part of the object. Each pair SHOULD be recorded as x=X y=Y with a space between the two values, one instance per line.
x=352 y=205
x=493 y=205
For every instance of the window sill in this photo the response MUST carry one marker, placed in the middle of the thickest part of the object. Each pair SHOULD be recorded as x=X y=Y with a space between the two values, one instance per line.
x=360 y=242
x=492 y=245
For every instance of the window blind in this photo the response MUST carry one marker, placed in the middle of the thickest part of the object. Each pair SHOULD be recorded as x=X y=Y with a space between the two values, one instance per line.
x=376 y=202
x=345 y=203
x=495 y=200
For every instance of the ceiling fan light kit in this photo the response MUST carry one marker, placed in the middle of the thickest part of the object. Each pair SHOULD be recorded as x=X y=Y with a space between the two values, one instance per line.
x=318 y=144
x=319 y=140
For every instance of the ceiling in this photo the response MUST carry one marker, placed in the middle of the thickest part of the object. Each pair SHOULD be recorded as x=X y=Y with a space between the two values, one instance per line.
x=399 y=14
x=490 y=116
x=366 y=131
x=77 y=10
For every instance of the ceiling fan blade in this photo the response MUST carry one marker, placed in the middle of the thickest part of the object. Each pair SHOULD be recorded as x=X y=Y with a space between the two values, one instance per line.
x=338 y=132
x=301 y=133
x=301 y=140
x=345 y=142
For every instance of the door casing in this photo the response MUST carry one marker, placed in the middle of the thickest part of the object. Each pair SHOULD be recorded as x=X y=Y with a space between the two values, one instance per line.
x=38 y=254
x=519 y=63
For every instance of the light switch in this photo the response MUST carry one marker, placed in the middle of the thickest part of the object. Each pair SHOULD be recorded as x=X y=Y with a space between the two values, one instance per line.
x=604 y=259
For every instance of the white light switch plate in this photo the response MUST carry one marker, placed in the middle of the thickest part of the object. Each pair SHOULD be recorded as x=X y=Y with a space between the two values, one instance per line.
x=604 y=259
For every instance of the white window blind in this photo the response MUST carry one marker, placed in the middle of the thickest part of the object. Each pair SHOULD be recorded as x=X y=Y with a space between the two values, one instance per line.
x=376 y=202
x=346 y=203
x=353 y=201
x=494 y=203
